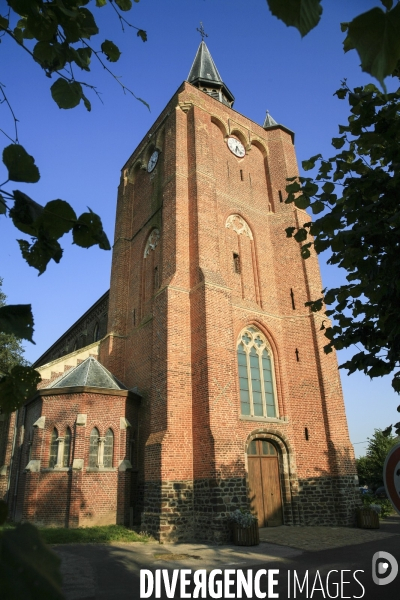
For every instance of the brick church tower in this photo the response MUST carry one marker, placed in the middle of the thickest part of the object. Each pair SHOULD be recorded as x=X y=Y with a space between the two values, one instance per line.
x=240 y=405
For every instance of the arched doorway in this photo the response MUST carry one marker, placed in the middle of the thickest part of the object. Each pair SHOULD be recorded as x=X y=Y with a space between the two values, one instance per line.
x=264 y=483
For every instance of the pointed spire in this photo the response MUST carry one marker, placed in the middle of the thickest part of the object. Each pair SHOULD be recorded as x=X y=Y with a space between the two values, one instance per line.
x=269 y=121
x=204 y=75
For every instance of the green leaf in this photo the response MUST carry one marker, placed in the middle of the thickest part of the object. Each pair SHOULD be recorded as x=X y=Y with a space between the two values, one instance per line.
x=3 y=23
x=302 y=14
x=396 y=383
x=124 y=4
x=338 y=142
x=376 y=37
x=328 y=187
x=341 y=93
x=86 y=103
x=39 y=254
x=101 y=3
x=17 y=387
x=290 y=231
x=19 y=35
x=21 y=166
x=110 y=50
x=317 y=207
x=28 y=568
x=3 y=206
x=293 y=187
x=387 y=4
x=87 y=24
x=88 y=231
x=310 y=188
x=302 y=202
x=310 y=163
x=301 y=235
x=65 y=94
x=25 y=212
x=49 y=56
x=57 y=218
x=22 y=7
x=142 y=34
x=17 y=319
x=42 y=25
x=82 y=58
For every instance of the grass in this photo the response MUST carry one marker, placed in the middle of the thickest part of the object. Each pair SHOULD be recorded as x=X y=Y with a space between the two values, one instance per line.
x=87 y=535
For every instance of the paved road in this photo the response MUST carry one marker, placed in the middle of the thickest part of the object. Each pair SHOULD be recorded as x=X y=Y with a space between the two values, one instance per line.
x=111 y=572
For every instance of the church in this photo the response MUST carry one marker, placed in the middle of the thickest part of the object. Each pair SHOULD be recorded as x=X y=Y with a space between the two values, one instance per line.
x=198 y=383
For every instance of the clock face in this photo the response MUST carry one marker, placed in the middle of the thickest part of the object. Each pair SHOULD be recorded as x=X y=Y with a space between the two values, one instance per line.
x=236 y=147
x=152 y=161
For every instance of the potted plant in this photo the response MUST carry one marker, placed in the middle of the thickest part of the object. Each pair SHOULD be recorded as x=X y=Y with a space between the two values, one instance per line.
x=244 y=527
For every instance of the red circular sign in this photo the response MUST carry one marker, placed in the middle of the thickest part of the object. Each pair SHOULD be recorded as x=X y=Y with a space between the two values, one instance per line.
x=391 y=476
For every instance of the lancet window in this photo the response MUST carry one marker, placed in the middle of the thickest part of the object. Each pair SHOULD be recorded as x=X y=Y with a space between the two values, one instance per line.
x=256 y=381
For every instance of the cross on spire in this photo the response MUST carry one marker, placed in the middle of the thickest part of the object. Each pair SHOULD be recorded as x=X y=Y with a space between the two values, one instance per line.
x=201 y=31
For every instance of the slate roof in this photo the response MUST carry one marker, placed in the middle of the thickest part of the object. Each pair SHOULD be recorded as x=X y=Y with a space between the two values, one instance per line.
x=269 y=121
x=89 y=373
x=204 y=72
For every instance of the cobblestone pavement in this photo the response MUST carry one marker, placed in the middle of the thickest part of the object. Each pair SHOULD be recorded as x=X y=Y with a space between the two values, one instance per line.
x=320 y=538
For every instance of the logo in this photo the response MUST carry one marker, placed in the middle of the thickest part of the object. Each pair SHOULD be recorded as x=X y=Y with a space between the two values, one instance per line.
x=384 y=568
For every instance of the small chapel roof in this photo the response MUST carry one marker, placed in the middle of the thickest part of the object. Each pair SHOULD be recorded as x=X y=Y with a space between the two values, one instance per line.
x=88 y=373
x=204 y=74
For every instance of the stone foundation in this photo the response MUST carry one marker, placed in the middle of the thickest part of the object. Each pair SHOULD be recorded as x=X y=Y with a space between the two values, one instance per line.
x=187 y=511
x=328 y=500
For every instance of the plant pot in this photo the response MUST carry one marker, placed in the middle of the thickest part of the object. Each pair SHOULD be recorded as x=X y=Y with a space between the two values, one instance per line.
x=367 y=518
x=246 y=536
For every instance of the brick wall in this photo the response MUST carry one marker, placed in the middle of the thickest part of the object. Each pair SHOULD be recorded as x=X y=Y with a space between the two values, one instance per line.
x=75 y=494
x=179 y=346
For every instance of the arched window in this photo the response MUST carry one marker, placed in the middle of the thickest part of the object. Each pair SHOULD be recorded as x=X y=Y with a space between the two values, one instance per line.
x=108 y=449
x=96 y=333
x=53 y=448
x=94 y=448
x=67 y=447
x=257 y=397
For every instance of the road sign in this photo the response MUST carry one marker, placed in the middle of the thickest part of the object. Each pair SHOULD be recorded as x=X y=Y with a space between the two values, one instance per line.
x=391 y=476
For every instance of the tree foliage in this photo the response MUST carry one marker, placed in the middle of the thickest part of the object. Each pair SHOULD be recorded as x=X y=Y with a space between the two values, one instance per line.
x=57 y=35
x=375 y=34
x=356 y=192
x=370 y=466
x=11 y=351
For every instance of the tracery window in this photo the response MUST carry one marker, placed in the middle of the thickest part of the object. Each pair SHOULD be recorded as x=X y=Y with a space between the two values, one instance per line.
x=108 y=449
x=257 y=395
x=67 y=447
x=94 y=447
x=53 y=449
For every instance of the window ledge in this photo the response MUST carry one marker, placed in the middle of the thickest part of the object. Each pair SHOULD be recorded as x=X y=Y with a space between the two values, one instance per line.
x=55 y=469
x=100 y=469
x=280 y=420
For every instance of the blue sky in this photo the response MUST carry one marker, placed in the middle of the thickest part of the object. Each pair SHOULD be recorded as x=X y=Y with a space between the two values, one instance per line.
x=266 y=66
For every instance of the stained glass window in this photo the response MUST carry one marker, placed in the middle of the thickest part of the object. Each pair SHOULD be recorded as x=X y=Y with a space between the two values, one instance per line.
x=257 y=396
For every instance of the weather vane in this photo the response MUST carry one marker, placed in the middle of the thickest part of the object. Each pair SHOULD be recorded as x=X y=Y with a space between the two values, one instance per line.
x=202 y=32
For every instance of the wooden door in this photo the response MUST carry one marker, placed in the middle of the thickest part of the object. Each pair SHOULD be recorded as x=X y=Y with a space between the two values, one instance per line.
x=264 y=483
